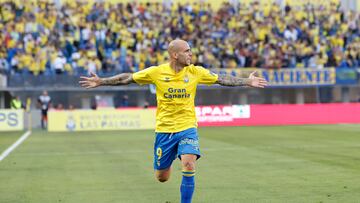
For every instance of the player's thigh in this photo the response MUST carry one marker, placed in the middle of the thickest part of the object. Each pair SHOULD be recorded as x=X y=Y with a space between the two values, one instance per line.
x=165 y=151
x=189 y=144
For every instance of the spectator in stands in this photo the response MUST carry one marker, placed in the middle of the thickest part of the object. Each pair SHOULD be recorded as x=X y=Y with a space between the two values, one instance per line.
x=14 y=63
x=59 y=63
x=107 y=37
x=93 y=64
x=4 y=65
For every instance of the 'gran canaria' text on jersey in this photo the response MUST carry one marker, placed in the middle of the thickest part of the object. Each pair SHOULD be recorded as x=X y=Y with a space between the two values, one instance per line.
x=173 y=93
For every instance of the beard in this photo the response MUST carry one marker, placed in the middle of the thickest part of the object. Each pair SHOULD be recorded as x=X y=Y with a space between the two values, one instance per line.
x=187 y=62
x=184 y=62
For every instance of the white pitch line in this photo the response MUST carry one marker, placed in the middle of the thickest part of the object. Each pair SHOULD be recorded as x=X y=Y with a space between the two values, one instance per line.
x=13 y=146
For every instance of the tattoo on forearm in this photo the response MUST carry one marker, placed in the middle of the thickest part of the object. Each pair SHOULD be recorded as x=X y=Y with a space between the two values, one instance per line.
x=121 y=79
x=226 y=80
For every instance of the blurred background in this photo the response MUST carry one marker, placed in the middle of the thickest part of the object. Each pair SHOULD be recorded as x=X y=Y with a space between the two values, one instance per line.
x=296 y=140
x=309 y=51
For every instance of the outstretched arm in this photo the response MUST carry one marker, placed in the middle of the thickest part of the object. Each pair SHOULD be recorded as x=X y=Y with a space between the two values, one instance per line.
x=251 y=81
x=94 y=81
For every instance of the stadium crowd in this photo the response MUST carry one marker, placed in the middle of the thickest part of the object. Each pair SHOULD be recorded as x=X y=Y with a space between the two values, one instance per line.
x=78 y=37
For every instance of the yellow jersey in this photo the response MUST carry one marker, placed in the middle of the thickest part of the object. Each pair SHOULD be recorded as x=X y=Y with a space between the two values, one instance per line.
x=175 y=94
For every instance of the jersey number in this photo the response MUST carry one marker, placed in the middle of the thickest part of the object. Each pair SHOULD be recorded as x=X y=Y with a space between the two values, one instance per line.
x=159 y=152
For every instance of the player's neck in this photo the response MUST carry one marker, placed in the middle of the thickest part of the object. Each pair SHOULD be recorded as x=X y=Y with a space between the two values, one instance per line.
x=176 y=67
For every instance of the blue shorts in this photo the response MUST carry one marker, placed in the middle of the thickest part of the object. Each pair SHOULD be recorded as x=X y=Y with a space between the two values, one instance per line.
x=168 y=146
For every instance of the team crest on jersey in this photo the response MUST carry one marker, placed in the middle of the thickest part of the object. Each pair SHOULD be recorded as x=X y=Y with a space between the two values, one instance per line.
x=167 y=79
x=186 y=79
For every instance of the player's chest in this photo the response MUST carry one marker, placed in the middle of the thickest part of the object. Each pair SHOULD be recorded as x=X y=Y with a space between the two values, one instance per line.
x=186 y=80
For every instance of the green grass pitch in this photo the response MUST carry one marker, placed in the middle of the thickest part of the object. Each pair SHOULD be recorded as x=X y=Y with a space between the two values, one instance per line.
x=314 y=163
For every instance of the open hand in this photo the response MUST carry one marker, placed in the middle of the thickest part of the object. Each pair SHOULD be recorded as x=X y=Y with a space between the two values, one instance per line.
x=257 y=81
x=90 y=82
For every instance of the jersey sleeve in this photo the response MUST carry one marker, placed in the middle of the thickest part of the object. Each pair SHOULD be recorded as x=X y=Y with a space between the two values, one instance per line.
x=206 y=76
x=145 y=76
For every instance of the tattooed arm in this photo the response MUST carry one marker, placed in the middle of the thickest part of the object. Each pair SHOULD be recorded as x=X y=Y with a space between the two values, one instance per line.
x=120 y=79
x=252 y=81
x=94 y=81
x=226 y=80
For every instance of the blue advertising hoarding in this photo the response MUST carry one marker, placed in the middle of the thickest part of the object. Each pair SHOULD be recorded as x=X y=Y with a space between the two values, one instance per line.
x=296 y=77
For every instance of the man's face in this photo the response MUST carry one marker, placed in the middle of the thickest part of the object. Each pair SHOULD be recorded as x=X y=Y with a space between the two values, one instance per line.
x=184 y=55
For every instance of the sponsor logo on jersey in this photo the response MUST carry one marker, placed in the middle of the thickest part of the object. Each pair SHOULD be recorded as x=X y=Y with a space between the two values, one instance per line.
x=173 y=93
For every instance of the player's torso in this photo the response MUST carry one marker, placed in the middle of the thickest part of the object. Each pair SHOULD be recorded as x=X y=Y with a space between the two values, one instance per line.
x=175 y=94
x=178 y=88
